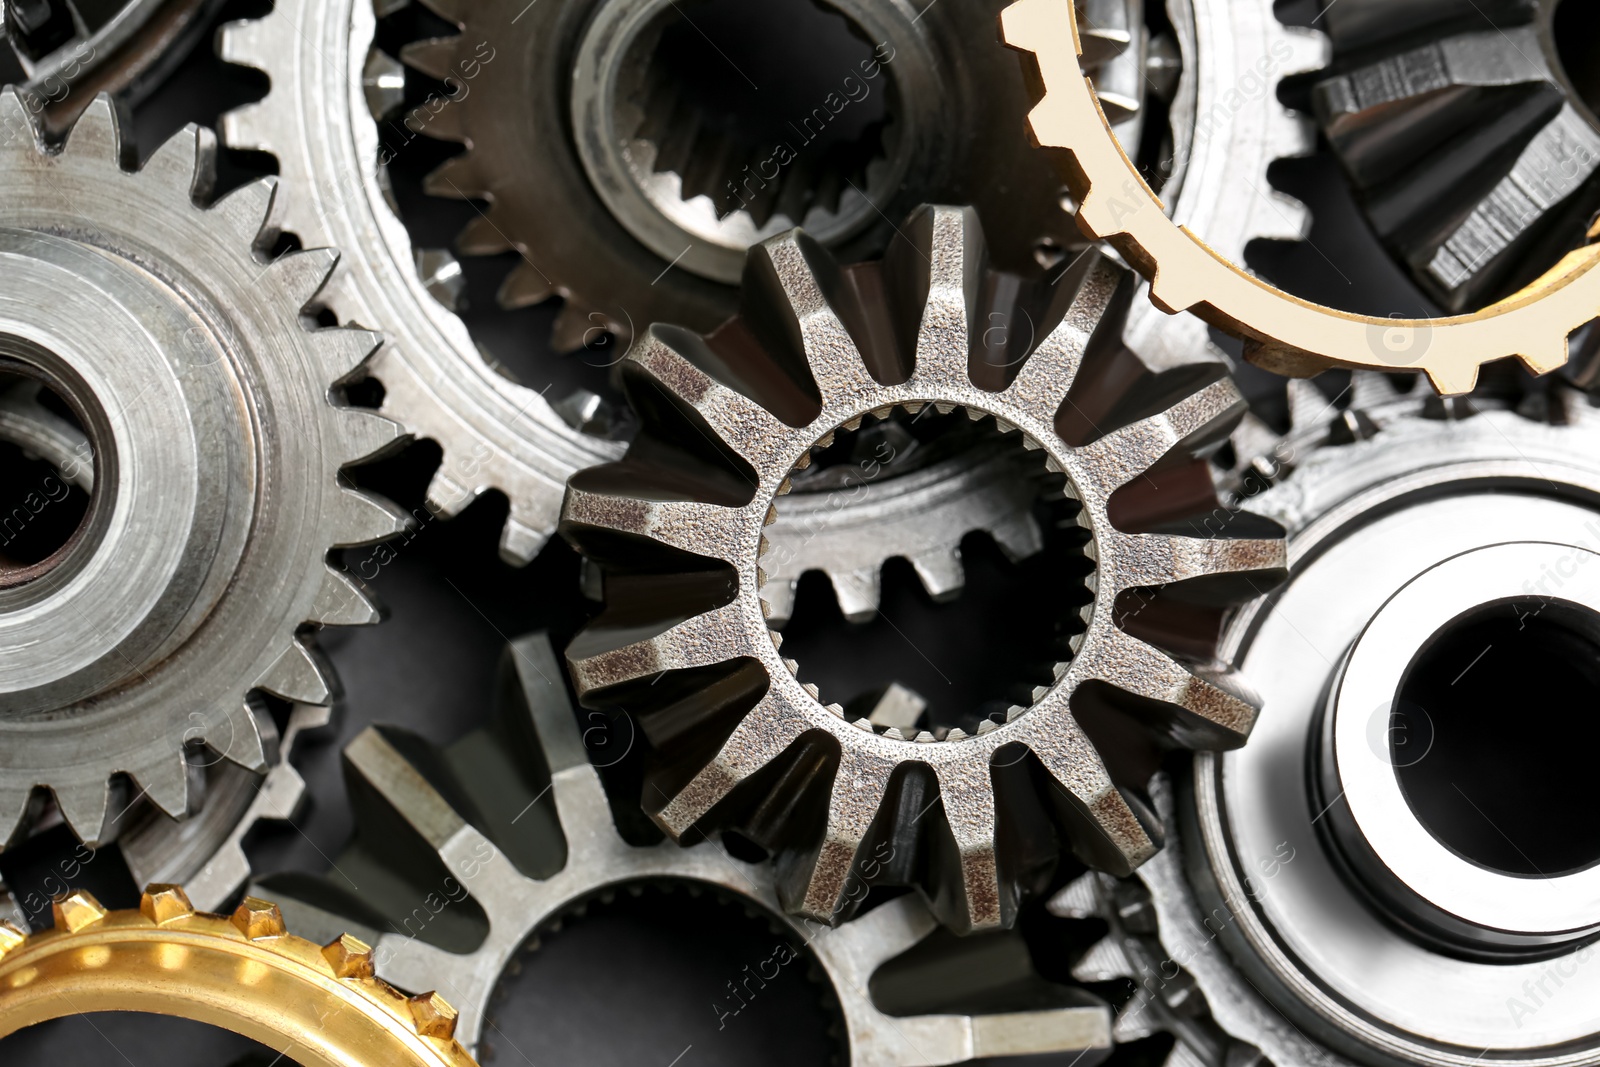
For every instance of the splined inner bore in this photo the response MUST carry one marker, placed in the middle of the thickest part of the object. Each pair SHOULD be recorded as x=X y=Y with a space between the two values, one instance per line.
x=47 y=474
x=1490 y=793
x=770 y=109
x=986 y=616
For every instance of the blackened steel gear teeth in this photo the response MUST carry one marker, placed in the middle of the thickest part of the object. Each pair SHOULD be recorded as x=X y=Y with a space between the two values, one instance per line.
x=529 y=848
x=1280 y=332
x=181 y=347
x=494 y=432
x=320 y=1004
x=814 y=357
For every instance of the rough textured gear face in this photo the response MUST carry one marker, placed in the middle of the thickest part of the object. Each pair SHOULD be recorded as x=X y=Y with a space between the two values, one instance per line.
x=319 y=1004
x=120 y=287
x=564 y=850
x=1263 y=902
x=681 y=536
x=1280 y=332
x=317 y=120
x=1490 y=97
x=593 y=180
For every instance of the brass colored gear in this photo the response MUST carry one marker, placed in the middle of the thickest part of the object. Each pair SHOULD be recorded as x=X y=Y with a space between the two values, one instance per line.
x=1280 y=332
x=244 y=972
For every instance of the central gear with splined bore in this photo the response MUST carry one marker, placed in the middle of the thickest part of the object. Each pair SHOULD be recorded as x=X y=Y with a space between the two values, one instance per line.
x=515 y=816
x=817 y=350
x=178 y=348
x=1280 y=332
x=320 y=1005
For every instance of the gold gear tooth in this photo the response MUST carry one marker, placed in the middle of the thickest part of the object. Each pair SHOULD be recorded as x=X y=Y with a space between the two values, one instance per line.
x=258 y=919
x=162 y=904
x=1280 y=332
x=77 y=911
x=274 y=990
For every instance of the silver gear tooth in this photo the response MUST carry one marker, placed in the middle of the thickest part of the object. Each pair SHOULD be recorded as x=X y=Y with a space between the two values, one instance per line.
x=14 y=804
x=1135 y=1020
x=298 y=676
x=1078 y=899
x=346 y=351
x=779 y=596
x=368 y=435
x=1183 y=1055
x=305 y=273
x=436 y=383
x=247 y=127
x=858 y=593
x=1205 y=703
x=86 y=807
x=196 y=677
x=170 y=785
x=343 y=601
x=246 y=43
x=362 y=519
x=383 y=80
x=597 y=860
x=1308 y=408
x=1371 y=389
x=1105 y=961
x=447 y=497
x=941 y=573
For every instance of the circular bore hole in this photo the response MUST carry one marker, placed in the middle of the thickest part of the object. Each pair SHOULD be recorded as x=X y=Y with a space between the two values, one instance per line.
x=980 y=648
x=1509 y=693
x=769 y=108
x=46 y=476
x=1575 y=28
x=688 y=968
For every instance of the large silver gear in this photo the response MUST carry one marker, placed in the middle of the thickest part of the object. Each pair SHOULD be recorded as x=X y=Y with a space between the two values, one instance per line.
x=530 y=848
x=179 y=348
x=1242 y=959
x=317 y=120
x=805 y=344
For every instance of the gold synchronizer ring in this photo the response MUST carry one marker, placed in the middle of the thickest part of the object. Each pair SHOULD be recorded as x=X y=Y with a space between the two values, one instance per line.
x=1280 y=332
x=320 y=1005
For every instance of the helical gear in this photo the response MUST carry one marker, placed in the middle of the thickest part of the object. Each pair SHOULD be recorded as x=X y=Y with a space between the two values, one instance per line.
x=320 y=1005
x=809 y=358
x=180 y=348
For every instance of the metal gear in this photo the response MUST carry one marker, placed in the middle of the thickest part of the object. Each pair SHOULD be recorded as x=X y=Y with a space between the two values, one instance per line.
x=806 y=360
x=622 y=201
x=71 y=50
x=320 y=1004
x=120 y=287
x=1424 y=132
x=318 y=121
x=1268 y=908
x=1279 y=332
x=452 y=811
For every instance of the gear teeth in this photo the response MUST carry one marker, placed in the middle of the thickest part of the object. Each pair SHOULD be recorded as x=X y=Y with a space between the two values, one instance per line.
x=97 y=134
x=77 y=912
x=303 y=274
x=482 y=236
x=383 y=81
x=86 y=808
x=447 y=497
x=778 y=599
x=1018 y=536
x=187 y=160
x=298 y=676
x=365 y=519
x=1078 y=899
x=941 y=573
x=457 y=178
x=341 y=601
x=525 y=286
x=252 y=740
x=1106 y=961
x=345 y=352
x=1136 y=1020
x=19 y=133
x=368 y=435
x=247 y=127
x=249 y=212
x=169 y=784
x=519 y=542
x=575 y=324
x=247 y=43
x=1308 y=408
x=1371 y=389
x=434 y=57
x=14 y=806
x=858 y=594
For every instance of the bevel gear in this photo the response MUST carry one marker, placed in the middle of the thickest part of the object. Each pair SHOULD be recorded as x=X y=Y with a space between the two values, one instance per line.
x=317 y=120
x=634 y=208
x=1473 y=150
x=1280 y=332
x=515 y=816
x=678 y=526
x=321 y=1005
x=178 y=348
x=1267 y=921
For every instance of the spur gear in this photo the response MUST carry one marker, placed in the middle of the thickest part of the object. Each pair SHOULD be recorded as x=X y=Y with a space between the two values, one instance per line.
x=680 y=534
x=1474 y=151
x=1280 y=332
x=320 y=1004
x=515 y=817
x=317 y=120
x=634 y=202
x=121 y=288
x=1453 y=538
